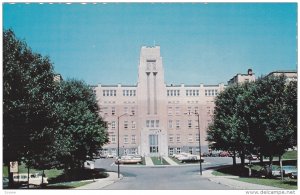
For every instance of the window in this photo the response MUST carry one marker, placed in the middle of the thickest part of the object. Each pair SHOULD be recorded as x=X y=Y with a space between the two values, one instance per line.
x=189 y=110
x=170 y=124
x=178 y=138
x=170 y=111
x=171 y=138
x=133 y=139
x=196 y=110
x=197 y=137
x=190 y=138
x=113 y=139
x=189 y=123
x=133 y=110
x=124 y=93
x=113 y=110
x=133 y=124
x=113 y=124
x=177 y=111
x=104 y=92
x=190 y=150
x=186 y=92
x=125 y=109
x=177 y=124
x=168 y=92
x=113 y=151
x=125 y=124
x=171 y=151
x=125 y=139
x=178 y=150
x=152 y=123
x=157 y=123
x=147 y=123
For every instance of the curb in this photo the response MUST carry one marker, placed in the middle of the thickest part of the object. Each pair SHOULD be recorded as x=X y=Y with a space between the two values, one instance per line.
x=101 y=183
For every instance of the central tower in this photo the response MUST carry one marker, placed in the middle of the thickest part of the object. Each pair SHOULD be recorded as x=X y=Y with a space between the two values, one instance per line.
x=151 y=93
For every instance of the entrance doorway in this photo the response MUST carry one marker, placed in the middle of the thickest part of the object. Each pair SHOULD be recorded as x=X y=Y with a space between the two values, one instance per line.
x=153 y=144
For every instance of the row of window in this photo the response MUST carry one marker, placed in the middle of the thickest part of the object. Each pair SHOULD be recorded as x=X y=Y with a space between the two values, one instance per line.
x=152 y=123
x=125 y=151
x=177 y=124
x=129 y=92
x=114 y=92
x=192 y=92
x=112 y=139
x=178 y=138
x=190 y=110
x=113 y=110
x=178 y=150
x=173 y=93
x=208 y=92
x=126 y=125
x=109 y=92
x=211 y=92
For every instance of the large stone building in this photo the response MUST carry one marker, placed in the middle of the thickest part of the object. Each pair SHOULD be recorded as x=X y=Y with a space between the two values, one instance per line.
x=156 y=118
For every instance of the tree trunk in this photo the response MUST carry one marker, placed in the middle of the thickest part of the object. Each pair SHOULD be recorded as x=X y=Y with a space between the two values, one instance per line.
x=43 y=177
x=281 y=170
x=10 y=177
x=28 y=177
x=261 y=159
x=242 y=158
x=234 y=159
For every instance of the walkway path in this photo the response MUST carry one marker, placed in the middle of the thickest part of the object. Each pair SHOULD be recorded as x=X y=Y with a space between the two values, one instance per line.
x=148 y=161
x=232 y=182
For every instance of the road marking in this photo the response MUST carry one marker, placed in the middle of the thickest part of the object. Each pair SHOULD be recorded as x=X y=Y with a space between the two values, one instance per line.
x=112 y=164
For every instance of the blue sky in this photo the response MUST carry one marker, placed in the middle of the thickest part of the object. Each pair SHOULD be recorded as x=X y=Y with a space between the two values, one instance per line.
x=200 y=43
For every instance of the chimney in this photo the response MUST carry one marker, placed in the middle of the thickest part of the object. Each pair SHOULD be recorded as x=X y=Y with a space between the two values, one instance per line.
x=250 y=71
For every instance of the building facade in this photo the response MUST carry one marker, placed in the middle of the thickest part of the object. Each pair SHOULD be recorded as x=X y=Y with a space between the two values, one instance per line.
x=155 y=118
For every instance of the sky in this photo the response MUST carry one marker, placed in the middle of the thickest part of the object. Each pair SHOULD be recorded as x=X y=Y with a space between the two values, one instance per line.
x=205 y=43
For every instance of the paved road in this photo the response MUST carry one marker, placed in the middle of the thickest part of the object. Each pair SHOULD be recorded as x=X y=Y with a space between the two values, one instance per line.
x=163 y=178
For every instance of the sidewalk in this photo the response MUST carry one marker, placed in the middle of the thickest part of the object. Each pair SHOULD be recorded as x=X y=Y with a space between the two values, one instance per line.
x=148 y=161
x=170 y=161
x=231 y=182
x=101 y=183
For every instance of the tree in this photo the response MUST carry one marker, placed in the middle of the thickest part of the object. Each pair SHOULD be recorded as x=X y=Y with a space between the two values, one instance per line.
x=229 y=129
x=81 y=131
x=27 y=102
x=273 y=116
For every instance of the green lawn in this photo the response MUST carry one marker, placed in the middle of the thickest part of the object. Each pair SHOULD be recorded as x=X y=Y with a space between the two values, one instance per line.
x=52 y=173
x=290 y=184
x=290 y=155
x=68 y=185
x=158 y=161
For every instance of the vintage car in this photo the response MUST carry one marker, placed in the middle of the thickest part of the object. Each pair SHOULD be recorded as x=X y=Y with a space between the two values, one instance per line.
x=34 y=179
x=129 y=159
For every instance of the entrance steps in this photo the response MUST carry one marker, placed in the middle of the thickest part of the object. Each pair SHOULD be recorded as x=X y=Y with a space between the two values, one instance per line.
x=148 y=161
x=170 y=161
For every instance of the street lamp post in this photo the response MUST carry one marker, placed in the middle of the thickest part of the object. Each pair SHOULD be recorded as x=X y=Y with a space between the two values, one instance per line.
x=199 y=142
x=119 y=142
x=199 y=137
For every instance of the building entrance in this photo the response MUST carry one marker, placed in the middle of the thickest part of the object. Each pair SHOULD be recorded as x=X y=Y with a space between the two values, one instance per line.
x=153 y=144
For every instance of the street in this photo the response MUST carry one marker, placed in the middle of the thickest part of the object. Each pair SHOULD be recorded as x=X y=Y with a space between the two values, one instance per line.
x=184 y=177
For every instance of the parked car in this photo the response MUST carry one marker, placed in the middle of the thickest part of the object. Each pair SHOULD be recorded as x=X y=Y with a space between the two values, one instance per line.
x=252 y=157
x=5 y=182
x=34 y=179
x=129 y=159
x=276 y=172
x=109 y=156
x=288 y=170
x=89 y=164
x=224 y=154
x=294 y=175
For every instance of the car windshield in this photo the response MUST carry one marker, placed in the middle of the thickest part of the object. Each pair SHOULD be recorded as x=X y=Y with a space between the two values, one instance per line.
x=289 y=167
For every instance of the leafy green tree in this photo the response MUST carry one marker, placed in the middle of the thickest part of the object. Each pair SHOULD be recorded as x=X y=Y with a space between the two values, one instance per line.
x=81 y=131
x=229 y=130
x=27 y=102
x=273 y=126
